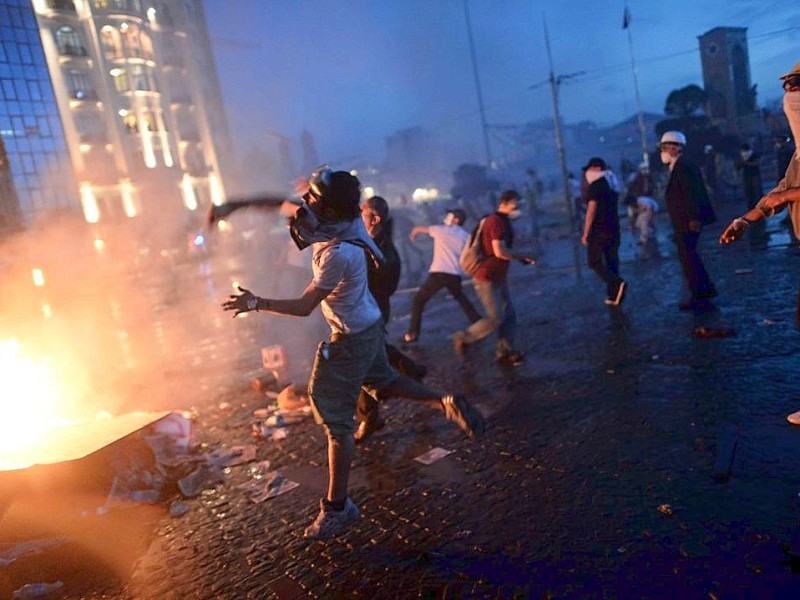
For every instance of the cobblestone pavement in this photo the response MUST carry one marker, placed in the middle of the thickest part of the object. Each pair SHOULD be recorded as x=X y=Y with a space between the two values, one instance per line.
x=596 y=477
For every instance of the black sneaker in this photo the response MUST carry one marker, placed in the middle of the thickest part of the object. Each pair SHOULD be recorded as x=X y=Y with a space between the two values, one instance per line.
x=463 y=414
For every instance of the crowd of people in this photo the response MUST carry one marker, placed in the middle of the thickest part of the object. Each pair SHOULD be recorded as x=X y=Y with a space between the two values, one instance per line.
x=356 y=269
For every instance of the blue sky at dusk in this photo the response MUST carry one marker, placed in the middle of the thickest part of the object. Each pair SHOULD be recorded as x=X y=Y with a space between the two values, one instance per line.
x=354 y=71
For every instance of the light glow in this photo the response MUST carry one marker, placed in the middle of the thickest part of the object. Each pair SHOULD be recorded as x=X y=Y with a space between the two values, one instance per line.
x=31 y=398
x=187 y=188
x=38 y=277
x=91 y=212
x=127 y=199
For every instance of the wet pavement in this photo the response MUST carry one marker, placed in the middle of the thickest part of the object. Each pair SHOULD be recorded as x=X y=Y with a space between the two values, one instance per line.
x=628 y=457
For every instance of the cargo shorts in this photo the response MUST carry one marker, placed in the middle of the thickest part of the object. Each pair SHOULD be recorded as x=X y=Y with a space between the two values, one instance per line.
x=342 y=367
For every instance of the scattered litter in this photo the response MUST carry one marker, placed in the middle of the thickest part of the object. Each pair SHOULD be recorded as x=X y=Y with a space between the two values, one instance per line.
x=262 y=431
x=769 y=322
x=665 y=509
x=267 y=485
x=11 y=552
x=714 y=332
x=273 y=357
x=230 y=457
x=36 y=590
x=263 y=413
x=655 y=357
x=610 y=371
x=743 y=271
x=178 y=509
x=202 y=478
x=432 y=455
x=293 y=397
x=225 y=405
x=178 y=427
x=264 y=383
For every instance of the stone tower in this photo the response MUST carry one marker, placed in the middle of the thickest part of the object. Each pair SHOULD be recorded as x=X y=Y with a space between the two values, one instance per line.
x=726 y=78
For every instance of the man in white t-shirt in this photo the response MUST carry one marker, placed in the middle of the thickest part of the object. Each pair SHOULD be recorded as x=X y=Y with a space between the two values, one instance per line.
x=445 y=272
x=330 y=222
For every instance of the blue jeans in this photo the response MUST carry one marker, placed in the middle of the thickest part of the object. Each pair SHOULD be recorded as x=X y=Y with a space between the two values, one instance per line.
x=500 y=317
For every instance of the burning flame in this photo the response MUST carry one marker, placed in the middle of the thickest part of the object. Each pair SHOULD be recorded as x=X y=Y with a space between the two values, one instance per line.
x=31 y=400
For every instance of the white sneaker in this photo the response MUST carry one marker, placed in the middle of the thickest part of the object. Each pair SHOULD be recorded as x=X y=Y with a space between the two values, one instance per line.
x=330 y=523
x=794 y=418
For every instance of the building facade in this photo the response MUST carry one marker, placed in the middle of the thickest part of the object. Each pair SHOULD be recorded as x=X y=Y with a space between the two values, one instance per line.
x=140 y=104
x=35 y=173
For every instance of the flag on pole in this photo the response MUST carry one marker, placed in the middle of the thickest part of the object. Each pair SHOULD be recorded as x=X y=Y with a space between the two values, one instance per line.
x=626 y=18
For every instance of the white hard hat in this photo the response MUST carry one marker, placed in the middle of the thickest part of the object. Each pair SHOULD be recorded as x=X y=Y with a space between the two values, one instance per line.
x=675 y=137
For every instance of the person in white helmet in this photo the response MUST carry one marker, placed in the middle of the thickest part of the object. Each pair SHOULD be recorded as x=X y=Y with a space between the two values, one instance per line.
x=785 y=195
x=689 y=210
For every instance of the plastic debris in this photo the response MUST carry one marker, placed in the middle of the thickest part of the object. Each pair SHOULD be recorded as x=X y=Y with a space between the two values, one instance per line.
x=743 y=271
x=230 y=457
x=36 y=590
x=267 y=485
x=432 y=455
x=10 y=553
x=293 y=397
x=178 y=509
x=203 y=477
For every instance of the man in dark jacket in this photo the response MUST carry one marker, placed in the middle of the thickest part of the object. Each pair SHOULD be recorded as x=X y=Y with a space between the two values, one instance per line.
x=689 y=209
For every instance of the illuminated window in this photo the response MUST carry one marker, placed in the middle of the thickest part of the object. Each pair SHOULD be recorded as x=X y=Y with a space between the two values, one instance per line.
x=139 y=78
x=132 y=40
x=101 y=4
x=120 y=77
x=69 y=42
x=80 y=85
x=130 y=123
x=110 y=44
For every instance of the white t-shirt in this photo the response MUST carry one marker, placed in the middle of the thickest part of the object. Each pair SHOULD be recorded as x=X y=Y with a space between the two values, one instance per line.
x=448 y=241
x=342 y=268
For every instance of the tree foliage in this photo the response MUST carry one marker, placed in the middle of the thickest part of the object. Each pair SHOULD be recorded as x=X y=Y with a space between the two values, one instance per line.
x=686 y=102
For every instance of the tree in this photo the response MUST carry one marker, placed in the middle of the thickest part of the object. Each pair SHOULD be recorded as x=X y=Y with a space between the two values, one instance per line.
x=686 y=102
x=685 y=110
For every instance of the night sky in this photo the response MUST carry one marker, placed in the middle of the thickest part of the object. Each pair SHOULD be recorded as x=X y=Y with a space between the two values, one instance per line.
x=354 y=71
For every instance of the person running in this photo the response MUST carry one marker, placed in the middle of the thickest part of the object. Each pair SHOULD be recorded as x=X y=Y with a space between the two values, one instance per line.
x=445 y=272
x=355 y=353
x=491 y=284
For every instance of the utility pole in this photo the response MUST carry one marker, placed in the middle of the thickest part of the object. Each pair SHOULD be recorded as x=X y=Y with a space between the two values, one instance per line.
x=554 y=83
x=627 y=26
x=486 y=147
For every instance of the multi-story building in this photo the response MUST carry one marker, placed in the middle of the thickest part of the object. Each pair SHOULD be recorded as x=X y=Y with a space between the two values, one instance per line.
x=139 y=101
x=35 y=173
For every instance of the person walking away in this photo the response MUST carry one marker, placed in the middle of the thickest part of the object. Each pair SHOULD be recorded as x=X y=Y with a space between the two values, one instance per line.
x=444 y=272
x=355 y=353
x=689 y=210
x=491 y=284
x=786 y=194
x=601 y=230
